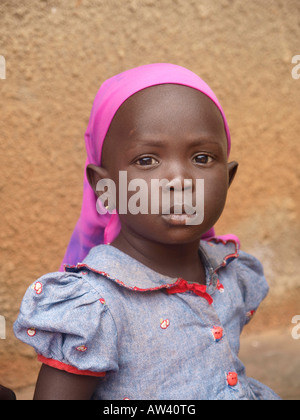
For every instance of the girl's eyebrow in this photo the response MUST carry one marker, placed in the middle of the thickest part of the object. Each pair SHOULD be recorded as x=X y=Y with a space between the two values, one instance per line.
x=146 y=143
x=194 y=142
x=205 y=141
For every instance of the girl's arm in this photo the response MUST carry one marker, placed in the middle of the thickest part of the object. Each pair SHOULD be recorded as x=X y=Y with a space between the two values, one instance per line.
x=55 y=384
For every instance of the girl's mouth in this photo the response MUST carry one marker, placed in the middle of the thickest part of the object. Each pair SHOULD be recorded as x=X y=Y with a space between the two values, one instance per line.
x=177 y=219
x=178 y=215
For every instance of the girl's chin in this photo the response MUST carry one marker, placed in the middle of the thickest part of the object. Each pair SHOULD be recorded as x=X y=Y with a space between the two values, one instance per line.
x=165 y=229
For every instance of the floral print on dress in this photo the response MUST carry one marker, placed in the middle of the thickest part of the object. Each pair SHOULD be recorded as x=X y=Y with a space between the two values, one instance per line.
x=82 y=349
x=38 y=287
x=220 y=286
x=250 y=314
x=31 y=332
x=164 y=323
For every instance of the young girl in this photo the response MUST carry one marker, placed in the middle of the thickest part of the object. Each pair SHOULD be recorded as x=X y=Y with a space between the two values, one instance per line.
x=149 y=305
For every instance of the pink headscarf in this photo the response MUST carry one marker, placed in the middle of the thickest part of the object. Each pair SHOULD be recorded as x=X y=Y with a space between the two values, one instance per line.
x=92 y=228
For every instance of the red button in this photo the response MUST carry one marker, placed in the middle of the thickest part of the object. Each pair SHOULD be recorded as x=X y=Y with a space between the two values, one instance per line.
x=217 y=333
x=232 y=378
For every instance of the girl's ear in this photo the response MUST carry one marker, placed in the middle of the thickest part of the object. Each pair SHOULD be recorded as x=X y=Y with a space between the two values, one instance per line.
x=94 y=175
x=232 y=169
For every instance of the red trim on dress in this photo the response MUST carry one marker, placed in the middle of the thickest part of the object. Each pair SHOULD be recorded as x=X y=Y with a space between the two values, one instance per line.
x=234 y=255
x=198 y=289
x=134 y=288
x=70 y=369
x=229 y=256
x=180 y=286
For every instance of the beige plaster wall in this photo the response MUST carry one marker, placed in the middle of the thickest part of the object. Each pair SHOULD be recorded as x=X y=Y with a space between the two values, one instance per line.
x=58 y=53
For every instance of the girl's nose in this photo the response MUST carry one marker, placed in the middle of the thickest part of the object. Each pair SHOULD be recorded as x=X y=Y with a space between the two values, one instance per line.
x=178 y=176
x=179 y=183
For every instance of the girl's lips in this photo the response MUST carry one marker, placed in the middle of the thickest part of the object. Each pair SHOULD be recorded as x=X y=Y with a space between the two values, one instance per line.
x=181 y=219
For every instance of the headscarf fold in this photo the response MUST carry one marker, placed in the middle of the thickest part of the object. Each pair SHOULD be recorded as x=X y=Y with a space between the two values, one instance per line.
x=93 y=228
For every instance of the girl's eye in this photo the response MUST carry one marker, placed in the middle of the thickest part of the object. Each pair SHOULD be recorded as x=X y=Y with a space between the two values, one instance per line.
x=202 y=159
x=146 y=161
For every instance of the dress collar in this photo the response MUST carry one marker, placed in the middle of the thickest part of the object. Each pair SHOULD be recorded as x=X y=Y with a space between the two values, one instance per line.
x=130 y=273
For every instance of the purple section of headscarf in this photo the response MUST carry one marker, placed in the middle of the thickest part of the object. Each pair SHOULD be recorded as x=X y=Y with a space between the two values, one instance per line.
x=92 y=228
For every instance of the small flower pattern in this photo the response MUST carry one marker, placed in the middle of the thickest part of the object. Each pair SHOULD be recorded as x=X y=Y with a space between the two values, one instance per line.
x=82 y=349
x=31 y=332
x=38 y=287
x=164 y=323
x=250 y=314
x=220 y=286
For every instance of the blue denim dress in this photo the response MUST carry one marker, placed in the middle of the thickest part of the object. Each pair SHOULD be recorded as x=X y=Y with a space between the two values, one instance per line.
x=145 y=335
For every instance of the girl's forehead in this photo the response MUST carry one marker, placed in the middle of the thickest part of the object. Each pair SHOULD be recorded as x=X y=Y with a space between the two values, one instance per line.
x=164 y=107
x=164 y=93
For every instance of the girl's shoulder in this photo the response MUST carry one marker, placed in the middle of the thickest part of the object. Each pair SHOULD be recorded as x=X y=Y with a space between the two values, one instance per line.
x=239 y=272
x=64 y=317
x=227 y=253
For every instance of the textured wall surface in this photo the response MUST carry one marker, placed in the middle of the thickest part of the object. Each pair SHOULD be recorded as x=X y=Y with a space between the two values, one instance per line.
x=58 y=53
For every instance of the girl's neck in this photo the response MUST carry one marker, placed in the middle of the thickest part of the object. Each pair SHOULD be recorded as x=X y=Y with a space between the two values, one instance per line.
x=173 y=260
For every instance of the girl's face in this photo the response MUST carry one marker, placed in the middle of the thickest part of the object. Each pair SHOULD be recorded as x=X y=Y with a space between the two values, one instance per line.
x=167 y=132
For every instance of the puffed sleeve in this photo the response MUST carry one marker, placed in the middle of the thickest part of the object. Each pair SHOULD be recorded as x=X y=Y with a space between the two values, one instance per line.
x=252 y=283
x=69 y=325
